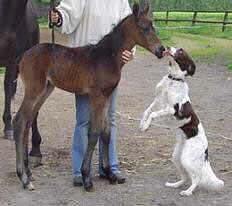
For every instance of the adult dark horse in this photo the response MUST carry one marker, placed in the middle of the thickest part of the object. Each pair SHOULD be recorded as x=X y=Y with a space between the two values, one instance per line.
x=19 y=32
x=94 y=70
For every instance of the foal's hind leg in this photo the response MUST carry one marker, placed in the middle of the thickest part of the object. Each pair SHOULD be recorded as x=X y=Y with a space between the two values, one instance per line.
x=34 y=98
x=10 y=89
x=35 y=156
x=21 y=125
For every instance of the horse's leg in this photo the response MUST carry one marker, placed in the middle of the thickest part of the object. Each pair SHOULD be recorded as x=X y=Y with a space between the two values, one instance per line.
x=21 y=124
x=97 y=105
x=33 y=100
x=10 y=89
x=35 y=156
x=105 y=137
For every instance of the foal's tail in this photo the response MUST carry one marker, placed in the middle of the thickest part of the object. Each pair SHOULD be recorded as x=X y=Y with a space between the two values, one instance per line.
x=14 y=76
x=209 y=180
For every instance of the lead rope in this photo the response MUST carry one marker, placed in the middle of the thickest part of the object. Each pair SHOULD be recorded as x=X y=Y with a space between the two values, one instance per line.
x=52 y=26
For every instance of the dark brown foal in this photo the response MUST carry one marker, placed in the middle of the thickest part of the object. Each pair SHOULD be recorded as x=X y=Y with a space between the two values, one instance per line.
x=94 y=70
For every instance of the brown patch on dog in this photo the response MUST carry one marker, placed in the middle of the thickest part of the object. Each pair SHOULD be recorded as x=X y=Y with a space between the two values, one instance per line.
x=186 y=111
x=185 y=62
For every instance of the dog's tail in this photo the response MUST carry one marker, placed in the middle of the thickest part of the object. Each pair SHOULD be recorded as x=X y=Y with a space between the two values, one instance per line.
x=209 y=180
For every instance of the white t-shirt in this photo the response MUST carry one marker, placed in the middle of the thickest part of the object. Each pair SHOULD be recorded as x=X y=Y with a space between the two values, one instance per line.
x=88 y=21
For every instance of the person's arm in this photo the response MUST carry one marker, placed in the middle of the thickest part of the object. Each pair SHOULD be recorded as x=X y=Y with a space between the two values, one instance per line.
x=71 y=12
x=125 y=11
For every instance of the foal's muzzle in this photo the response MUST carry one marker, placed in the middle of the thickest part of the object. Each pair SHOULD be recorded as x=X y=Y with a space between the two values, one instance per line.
x=159 y=51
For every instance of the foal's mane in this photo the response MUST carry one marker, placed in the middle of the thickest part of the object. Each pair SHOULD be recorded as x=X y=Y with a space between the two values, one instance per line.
x=109 y=45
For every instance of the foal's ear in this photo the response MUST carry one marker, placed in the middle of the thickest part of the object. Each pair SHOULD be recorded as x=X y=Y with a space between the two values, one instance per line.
x=136 y=10
x=146 y=11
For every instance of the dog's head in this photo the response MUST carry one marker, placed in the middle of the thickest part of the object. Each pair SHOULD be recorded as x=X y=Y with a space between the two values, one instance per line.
x=181 y=57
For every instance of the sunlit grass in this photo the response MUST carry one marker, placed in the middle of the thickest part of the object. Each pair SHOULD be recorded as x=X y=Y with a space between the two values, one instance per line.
x=204 y=44
x=2 y=70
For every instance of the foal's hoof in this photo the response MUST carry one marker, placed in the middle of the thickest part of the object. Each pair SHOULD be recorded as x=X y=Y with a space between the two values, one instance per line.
x=29 y=186
x=31 y=178
x=88 y=186
x=35 y=161
x=112 y=179
x=9 y=134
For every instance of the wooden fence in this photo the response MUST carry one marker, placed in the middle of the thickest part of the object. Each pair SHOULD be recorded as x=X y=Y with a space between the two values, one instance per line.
x=194 y=20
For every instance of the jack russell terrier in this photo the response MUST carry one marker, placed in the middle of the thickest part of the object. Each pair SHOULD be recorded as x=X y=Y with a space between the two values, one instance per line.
x=172 y=105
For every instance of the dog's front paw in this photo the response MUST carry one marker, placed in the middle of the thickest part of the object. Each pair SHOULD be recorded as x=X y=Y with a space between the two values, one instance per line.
x=174 y=185
x=186 y=193
x=146 y=115
x=143 y=126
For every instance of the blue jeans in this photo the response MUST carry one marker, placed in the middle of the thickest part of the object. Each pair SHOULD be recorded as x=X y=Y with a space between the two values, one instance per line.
x=80 y=140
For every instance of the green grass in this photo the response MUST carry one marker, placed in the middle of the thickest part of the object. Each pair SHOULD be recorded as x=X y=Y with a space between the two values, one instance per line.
x=44 y=1
x=230 y=65
x=2 y=70
x=43 y=22
x=204 y=44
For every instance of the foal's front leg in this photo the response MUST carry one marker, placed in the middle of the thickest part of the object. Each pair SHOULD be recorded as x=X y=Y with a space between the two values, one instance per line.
x=97 y=105
x=105 y=137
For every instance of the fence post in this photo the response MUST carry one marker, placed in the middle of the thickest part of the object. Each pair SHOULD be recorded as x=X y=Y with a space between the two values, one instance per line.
x=194 y=18
x=225 y=19
x=167 y=17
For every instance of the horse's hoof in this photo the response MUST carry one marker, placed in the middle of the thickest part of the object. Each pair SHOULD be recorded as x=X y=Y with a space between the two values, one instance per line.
x=35 y=161
x=9 y=134
x=28 y=186
x=112 y=179
x=31 y=187
x=88 y=186
x=31 y=178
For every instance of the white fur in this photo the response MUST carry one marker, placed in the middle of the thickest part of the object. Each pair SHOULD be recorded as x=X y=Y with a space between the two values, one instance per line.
x=189 y=154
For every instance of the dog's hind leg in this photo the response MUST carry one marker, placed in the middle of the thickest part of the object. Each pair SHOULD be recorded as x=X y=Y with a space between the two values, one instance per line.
x=189 y=191
x=177 y=162
x=193 y=168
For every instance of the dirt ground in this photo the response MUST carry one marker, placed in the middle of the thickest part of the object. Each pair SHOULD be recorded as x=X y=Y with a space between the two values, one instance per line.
x=143 y=157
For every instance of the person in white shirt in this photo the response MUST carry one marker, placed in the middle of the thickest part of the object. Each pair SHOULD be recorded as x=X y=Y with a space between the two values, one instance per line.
x=87 y=22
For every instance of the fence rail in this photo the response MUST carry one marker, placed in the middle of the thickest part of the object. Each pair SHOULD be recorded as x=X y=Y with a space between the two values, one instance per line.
x=194 y=20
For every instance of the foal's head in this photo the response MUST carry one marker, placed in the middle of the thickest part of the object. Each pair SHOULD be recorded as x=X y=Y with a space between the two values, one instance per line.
x=144 y=33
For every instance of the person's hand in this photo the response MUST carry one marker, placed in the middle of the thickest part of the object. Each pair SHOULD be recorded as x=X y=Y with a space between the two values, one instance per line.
x=54 y=17
x=127 y=56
